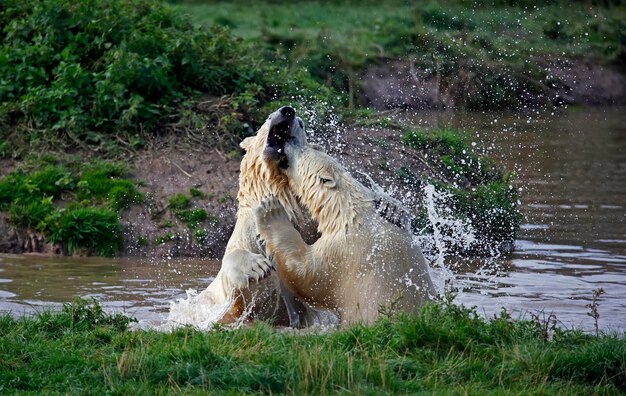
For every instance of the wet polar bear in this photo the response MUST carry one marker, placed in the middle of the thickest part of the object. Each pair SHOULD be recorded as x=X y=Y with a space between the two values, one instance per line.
x=236 y=292
x=244 y=264
x=361 y=260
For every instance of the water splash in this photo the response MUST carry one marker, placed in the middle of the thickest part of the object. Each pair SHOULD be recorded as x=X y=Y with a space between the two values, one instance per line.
x=448 y=233
x=444 y=236
x=194 y=310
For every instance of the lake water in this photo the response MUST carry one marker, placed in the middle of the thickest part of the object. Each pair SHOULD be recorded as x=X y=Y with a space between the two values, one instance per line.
x=571 y=171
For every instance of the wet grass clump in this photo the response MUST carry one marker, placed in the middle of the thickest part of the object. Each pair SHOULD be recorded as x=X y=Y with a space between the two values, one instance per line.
x=444 y=349
x=94 y=229
x=75 y=205
x=178 y=202
x=481 y=194
x=192 y=217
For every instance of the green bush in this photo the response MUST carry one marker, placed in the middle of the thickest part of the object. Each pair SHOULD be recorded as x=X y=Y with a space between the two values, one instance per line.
x=91 y=228
x=92 y=198
x=31 y=214
x=493 y=210
x=458 y=159
x=93 y=71
x=481 y=193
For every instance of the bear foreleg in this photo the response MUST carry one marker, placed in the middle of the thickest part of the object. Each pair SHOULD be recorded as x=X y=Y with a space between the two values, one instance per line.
x=283 y=242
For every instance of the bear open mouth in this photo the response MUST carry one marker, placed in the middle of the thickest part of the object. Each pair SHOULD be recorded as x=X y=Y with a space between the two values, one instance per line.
x=275 y=145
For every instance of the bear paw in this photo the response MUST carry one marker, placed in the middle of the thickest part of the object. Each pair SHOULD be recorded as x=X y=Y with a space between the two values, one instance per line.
x=254 y=268
x=270 y=211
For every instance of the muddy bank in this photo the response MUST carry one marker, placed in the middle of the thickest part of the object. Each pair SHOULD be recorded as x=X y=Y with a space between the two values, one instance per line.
x=402 y=84
x=209 y=179
x=151 y=229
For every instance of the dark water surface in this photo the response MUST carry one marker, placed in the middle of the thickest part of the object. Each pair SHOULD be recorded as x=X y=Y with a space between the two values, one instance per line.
x=140 y=287
x=571 y=171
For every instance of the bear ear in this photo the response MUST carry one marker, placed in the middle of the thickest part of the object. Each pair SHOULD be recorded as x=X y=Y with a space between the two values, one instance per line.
x=245 y=143
x=327 y=180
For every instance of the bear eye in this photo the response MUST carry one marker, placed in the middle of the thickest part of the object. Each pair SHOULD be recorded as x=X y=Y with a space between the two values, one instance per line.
x=327 y=182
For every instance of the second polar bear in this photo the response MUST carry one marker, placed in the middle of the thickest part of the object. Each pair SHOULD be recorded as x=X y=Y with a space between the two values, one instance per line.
x=244 y=264
x=361 y=260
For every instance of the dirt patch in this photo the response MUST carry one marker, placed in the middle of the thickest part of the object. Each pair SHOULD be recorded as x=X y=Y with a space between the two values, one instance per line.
x=584 y=82
x=7 y=166
x=399 y=84
x=152 y=229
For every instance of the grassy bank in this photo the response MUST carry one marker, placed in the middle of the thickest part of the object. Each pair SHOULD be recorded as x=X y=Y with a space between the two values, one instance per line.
x=109 y=80
x=485 y=55
x=481 y=193
x=72 y=204
x=445 y=349
x=108 y=76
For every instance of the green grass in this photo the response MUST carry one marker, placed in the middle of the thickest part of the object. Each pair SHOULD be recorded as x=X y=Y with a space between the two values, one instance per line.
x=444 y=350
x=75 y=204
x=178 y=202
x=487 y=52
x=192 y=217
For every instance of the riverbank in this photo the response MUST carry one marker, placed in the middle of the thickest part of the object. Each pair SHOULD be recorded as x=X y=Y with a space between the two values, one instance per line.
x=172 y=100
x=183 y=202
x=444 y=349
x=441 y=55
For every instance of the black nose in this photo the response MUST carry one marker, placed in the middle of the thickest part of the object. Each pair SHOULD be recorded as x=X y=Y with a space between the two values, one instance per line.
x=288 y=112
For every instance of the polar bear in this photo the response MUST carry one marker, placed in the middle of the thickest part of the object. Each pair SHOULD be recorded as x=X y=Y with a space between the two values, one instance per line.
x=244 y=263
x=361 y=260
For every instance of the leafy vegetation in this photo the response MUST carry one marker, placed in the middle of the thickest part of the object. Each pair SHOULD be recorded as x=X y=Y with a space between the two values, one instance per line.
x=481 y=193
x=75 y=206
x=93 y=73
x=179 y=205
x=488 y=54
x=444 y=349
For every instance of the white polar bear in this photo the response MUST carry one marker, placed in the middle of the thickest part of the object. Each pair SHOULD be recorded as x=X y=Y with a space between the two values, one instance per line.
x=233 y=290
x=361 y=260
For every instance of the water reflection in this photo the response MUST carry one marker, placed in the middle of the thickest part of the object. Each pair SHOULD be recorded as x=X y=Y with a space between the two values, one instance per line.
x=142 y=288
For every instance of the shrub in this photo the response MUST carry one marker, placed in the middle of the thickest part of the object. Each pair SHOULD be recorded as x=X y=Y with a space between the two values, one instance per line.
x=91 y=228
x=31 y=214
x=490 y=204
x=458 y=160
x=93 y=198
x=94 y=72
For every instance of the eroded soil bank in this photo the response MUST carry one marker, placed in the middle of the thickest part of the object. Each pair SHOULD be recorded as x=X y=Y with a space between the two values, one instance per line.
x=152 y=228
x=394 y=83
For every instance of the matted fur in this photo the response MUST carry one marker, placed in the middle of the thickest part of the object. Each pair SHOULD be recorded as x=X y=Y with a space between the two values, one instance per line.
x=243 y=258
x=361 y=260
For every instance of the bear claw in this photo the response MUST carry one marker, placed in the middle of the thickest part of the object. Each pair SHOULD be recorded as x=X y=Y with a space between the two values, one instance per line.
x=269 y=210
